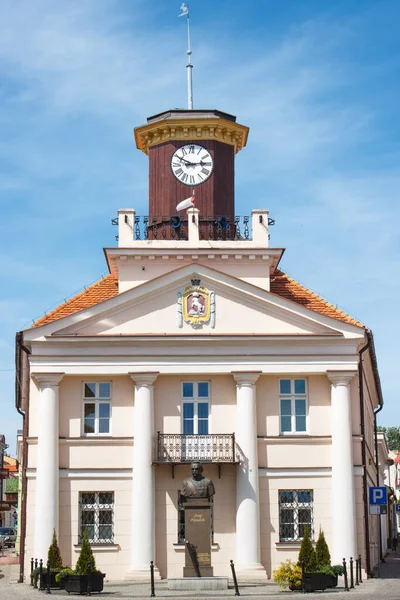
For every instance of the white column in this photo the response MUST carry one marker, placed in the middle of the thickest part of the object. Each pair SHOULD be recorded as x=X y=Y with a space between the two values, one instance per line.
x=47 y=465
x=143 y=502
x=344 y=536
x=247 y=486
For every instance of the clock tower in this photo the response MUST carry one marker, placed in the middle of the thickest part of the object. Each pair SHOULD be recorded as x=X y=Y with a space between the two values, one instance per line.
x=191 y=150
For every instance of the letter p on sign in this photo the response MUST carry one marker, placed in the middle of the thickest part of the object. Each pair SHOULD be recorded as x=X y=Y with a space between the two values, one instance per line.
x=377 y=495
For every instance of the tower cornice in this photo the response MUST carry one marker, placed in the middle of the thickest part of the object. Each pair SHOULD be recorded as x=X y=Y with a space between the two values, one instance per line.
x=191 y=126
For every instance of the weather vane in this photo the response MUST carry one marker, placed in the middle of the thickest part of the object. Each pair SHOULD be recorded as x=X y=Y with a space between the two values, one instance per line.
x=189 y=66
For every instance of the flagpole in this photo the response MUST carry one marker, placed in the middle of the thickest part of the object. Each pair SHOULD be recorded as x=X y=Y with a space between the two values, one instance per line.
x=189 y=66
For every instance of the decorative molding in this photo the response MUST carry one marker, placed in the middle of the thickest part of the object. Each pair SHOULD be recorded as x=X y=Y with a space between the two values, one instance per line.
x=47 y=379
x=87 y=473
x=219 y=130
x=246 y=377
x=144 y=379
x=303 y=471
x=91 y=441
x=340 y=377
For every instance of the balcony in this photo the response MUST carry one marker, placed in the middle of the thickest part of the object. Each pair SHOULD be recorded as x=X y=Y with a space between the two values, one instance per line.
x=189 y=226
x=177 y=448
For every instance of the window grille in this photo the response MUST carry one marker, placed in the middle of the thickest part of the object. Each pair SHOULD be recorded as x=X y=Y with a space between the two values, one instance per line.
x=295 y=514
x=181 y=520
x=97 y=516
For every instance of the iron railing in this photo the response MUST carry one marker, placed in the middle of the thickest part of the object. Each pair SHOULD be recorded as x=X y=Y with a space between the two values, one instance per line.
x=216 y=228
x=176 y=448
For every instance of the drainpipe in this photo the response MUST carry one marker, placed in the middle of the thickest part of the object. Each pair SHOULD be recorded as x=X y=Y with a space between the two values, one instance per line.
x=364 y=458
x=378 y=387
x=21 y=389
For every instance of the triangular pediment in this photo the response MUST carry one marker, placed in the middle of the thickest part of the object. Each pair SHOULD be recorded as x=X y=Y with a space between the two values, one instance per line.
x=155 y=308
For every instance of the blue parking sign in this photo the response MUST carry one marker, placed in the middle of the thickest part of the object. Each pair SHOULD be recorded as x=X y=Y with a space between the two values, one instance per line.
x=397 y=507
x=377 y=495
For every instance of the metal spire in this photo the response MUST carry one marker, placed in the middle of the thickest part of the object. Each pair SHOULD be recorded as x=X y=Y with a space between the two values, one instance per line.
x=189 y=66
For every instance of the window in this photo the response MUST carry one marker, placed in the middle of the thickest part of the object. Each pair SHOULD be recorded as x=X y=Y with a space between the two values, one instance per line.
x=96 y=515
x=293 y=405
x=295 y=514
x=195 y=407
x=97 y=408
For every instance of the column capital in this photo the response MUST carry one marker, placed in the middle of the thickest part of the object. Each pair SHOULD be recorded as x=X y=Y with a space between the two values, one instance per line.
x=340 y=377
x=246 y=377
x=145 y=379
x=48 y=379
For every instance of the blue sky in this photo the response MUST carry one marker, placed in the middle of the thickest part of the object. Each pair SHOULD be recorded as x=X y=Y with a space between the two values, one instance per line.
x=317 y=83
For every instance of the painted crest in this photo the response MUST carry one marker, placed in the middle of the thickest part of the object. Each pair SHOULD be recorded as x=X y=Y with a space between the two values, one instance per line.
x=196 y=306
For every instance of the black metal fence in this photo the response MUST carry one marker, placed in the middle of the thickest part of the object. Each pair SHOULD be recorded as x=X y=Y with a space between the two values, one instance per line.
x=175 y=227
x=180 y=448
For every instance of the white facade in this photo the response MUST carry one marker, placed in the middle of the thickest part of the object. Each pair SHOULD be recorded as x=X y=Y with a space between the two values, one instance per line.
x=198 y=348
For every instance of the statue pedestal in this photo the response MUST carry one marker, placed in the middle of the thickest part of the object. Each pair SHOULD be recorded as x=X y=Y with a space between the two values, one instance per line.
x=198 y=533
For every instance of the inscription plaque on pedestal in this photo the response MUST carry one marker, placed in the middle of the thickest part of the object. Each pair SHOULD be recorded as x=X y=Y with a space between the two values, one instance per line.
x=198 y=533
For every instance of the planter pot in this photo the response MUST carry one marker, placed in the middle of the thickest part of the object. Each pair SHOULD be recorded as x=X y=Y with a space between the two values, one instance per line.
x=332 y=580
x=53 y=582
x=316 y=581
x=78 y=584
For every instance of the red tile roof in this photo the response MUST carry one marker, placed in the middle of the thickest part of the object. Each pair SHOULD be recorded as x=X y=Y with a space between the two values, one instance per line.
x=286 y=287
x=281 y=285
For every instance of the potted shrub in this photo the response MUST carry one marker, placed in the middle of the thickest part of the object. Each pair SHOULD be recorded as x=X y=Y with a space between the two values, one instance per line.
x=85 y=572
x=322 y=554
x=54 y=560
x=288 y=576
x=307 y=553
x=318 y=574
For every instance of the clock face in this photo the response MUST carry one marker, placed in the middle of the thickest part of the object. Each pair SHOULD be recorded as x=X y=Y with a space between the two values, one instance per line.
x=192 y=164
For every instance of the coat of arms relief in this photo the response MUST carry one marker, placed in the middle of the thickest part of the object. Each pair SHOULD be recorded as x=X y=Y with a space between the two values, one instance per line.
x=196 y=306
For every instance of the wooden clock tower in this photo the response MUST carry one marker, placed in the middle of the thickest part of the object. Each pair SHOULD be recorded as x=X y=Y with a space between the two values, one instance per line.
x=191 y=150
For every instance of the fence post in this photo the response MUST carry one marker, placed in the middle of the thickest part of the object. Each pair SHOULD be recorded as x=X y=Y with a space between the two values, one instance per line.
x=235 y=583
x=48 y=578
x=359 y=562
x=357 y=582
x=40 y=574
x=346 y=583
x=303 y=583
x=153 y=591
x=31 y=570
x=351 y=573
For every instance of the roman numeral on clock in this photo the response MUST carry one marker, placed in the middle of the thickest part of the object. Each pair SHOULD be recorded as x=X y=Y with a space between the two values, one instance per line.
x=205 y=171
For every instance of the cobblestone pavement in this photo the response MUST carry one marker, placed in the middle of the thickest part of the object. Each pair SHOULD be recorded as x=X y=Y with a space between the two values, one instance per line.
x=387 y=586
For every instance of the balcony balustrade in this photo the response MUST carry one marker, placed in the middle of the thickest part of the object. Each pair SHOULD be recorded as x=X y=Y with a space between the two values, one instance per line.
x=178 y=448
x=192 y=227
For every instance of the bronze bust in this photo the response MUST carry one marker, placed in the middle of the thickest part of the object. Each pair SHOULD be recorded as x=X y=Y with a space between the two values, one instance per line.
x=197 y=486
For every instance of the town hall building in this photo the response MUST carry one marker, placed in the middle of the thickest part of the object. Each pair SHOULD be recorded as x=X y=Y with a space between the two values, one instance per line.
x=196 y=347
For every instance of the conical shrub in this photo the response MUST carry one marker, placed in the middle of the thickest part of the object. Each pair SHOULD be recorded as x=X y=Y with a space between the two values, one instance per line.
x=54 y=555
x=323 y=555
x=307 y=552
x=85 y=563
